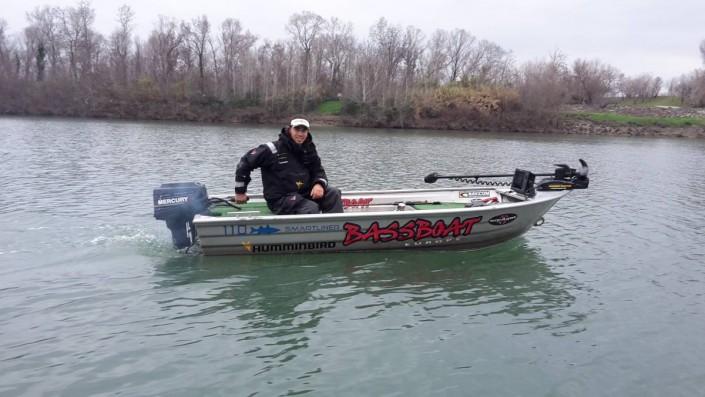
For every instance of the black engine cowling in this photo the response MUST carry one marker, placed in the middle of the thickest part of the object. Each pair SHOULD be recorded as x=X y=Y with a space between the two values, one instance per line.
x=177 y=204
x=566 y=178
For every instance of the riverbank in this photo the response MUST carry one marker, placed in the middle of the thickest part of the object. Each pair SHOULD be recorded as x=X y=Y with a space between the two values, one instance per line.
x=612 y=120
x=579 y=120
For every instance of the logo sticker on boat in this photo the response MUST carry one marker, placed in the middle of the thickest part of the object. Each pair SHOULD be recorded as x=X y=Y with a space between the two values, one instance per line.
x=172 y=200
x=244 y=230
x=503 y=219
x=311 y=228
x=360 y=202
x=263 y=230
x=474 y=193
x=288 y=247
x=414 y=230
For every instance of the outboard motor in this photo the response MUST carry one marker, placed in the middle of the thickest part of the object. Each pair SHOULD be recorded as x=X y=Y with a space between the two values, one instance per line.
x=566 y=178
x=177 y=204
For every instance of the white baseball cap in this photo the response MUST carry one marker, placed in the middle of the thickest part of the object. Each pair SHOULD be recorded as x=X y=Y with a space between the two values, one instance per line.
x=298 y=122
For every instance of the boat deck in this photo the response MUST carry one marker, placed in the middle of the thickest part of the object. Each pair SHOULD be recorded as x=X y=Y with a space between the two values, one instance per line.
x=261 y=209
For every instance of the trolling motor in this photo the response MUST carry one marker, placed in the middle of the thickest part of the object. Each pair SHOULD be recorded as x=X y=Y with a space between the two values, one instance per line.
x=566 y=178
x=177 y=204
x=563 y=178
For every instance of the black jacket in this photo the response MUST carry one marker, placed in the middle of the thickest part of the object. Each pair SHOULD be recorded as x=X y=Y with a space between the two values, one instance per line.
x=286 y=168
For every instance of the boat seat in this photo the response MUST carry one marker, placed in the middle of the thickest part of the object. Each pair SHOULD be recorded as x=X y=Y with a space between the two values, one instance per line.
x=253 y=208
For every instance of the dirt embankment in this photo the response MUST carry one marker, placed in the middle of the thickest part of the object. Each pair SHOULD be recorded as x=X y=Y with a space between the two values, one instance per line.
x=586 y=127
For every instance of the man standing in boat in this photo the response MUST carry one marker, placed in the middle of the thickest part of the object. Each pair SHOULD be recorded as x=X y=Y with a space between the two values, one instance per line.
x=294 y=182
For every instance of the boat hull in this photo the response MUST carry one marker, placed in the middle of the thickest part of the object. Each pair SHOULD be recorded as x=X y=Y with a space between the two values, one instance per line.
x=376 y=220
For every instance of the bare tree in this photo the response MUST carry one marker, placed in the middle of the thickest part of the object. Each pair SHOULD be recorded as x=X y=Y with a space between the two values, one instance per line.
x=697 y=83
x=5 y=64
x=655 y=87
x=199 y=38
x=138 y=59
x=40 y=57
x=436 y=59
x=366 y=77
x=593 y=81
x=681 y=88
x=47 y=21
x=488 y=64
x=235 y=43
x=702 y=50
x=543 y=85
x=412 y=50
x=278 y=72
x=76 y=25
x=120 y=41
x=163 y=46
x=186 y=57
x=459 y=45
x=31 y=44
x=388 y=42
x=690 y=88
x=338 y=44
x=640 y=87
x=305 y=29
x=35 y=54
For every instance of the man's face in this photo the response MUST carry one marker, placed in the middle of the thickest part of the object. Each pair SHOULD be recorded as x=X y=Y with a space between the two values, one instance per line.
x=298 y=134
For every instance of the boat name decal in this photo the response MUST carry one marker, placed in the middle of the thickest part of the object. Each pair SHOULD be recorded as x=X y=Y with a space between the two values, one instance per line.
x=243 y=230
x=503 y=219
x=172 y=200
x=415 y=229
x=360 y=202
x=311 y=228
x=249 y=247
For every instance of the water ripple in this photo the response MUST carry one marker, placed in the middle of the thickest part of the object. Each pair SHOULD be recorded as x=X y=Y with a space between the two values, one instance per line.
x=95 y=301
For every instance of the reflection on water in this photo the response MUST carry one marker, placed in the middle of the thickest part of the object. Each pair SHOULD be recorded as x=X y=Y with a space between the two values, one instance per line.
x=511 y=275
x=277 y=306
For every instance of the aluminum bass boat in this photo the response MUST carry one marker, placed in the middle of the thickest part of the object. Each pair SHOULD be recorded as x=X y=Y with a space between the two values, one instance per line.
x=468 y=217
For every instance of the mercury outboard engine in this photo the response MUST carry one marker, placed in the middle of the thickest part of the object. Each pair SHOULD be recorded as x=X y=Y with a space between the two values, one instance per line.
x=177 y=204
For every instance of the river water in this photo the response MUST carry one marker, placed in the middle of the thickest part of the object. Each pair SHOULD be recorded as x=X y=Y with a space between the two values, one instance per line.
x=606 y=298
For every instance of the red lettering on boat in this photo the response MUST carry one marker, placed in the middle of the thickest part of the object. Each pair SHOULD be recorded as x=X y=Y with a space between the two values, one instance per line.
x=361 y=202
x=418 y=229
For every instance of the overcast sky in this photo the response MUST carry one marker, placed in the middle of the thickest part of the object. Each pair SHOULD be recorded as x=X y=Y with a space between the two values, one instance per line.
x=637 y=36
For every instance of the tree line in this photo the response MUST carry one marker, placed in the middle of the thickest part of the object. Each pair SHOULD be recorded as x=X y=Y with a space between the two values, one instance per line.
x=60 y=64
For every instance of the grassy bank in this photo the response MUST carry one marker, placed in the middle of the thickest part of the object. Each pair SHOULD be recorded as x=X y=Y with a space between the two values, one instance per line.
x=641 y=121
x=330 y=107
x=652 y=102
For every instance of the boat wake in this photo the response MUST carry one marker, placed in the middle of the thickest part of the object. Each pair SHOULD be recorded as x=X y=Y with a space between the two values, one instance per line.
x=131 y=238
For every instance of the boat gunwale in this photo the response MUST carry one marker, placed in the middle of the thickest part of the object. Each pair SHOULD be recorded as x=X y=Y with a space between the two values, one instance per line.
x=541 y=197
x=396 y=191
